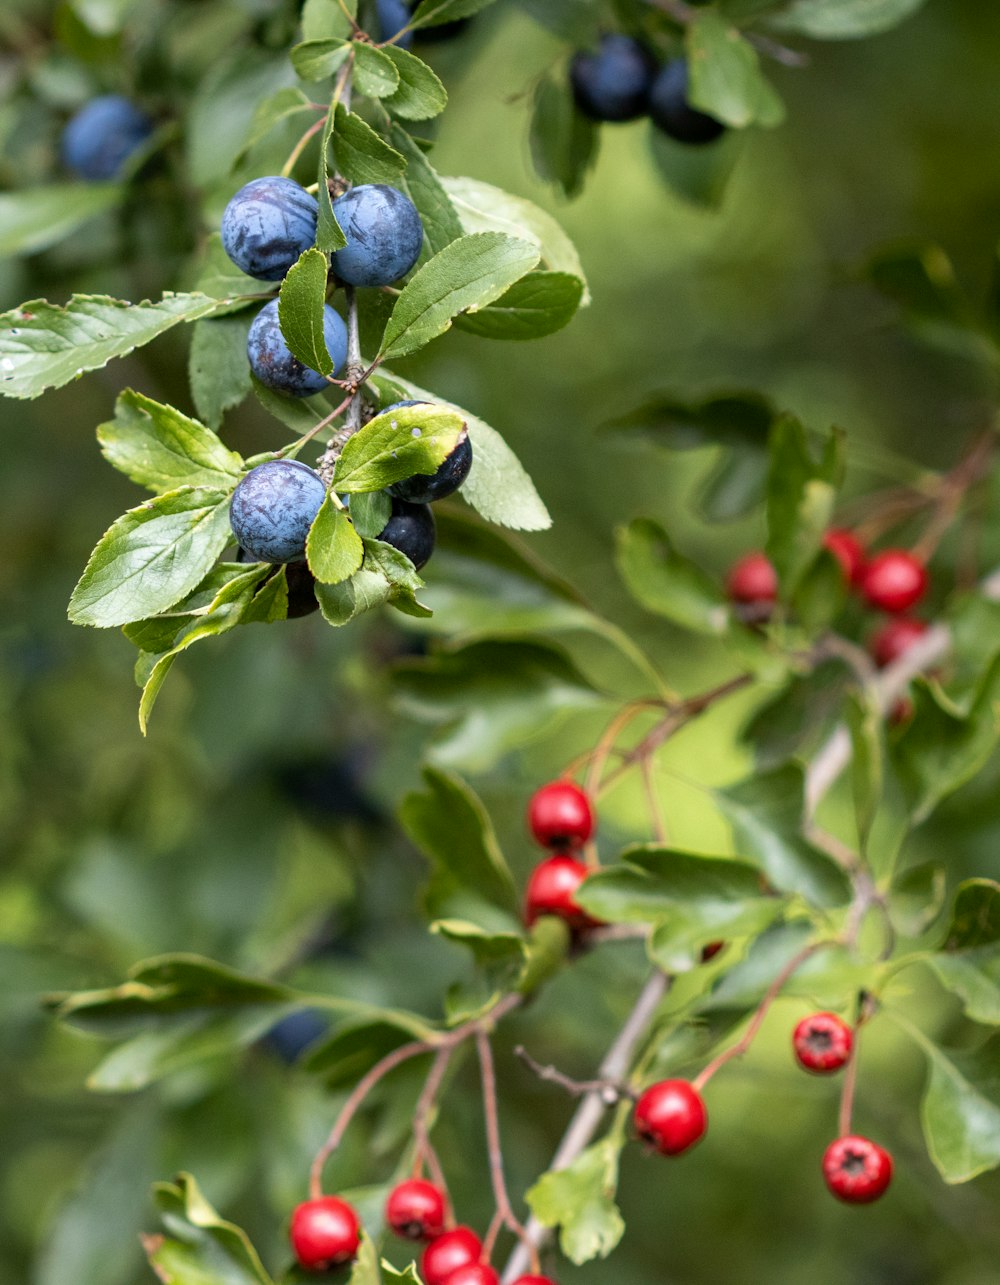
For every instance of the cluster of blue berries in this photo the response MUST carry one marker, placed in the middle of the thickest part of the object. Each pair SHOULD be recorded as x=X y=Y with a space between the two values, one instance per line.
x=622 y=80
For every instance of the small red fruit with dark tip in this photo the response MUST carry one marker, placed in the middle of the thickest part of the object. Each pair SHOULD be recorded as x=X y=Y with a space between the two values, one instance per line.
x=473 y=1274
x=552 y=889
x=448 y=1252
x=895 y=639
x=560 y=815
x=415 y=1209
x=822 y=1043
x=894 y=581
x=671 y=1115
x=324 y=1233
x=856 y=1169
x=849 y=552
x=752 y=580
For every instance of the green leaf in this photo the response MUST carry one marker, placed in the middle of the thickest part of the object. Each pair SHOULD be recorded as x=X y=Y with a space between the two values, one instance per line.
x=968 y=963
x=386 y=576
x=408 y=1276
x=221 y=280
x=217 y=366
x=396 y=445
x=549 y=942
x=301 y=311
x=539 y=304
x=467 y=274
x=354 y=1048
x=325 y=18
x=375 y=73
x=153 y=1055
x=151 y=557
x=844 y=19
x=333 y=548
x=430 y=13
x=698 y=175
x=960 y=1112
x=370 y=511
x=329 y=234
x=799 y=718
x=741 y=420
x=284 y=104
x=161 y=449
x=44 y=346
x=867 y=769
x=801 y=494
x=36 y=218
x=563 y=140
x=766 y=814
x=916 y=898
x=420 y=95
x=365 y=1269
x=425 y=188
x=666 y=582
x=580 y=1201
x=222 y=1249
x=362 y=155
x=316 y=60
x=726 y=79
x=449 y=824
x=501 y=955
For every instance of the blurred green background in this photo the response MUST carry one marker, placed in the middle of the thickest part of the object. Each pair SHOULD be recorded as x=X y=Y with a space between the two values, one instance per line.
x=255 y=823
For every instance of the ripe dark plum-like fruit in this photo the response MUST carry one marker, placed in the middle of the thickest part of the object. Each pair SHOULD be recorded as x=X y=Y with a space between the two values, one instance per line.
x=849 y=552
x=671 y=112
x=560 y=815
x=267 y=225
x=416 y=1210
x=411 y=530
x=273 y=362
x=324 y=1233
x=447 y=1253
x=393 y=15
x=753 y=580
x=612 y=83
x=300 y=583
x=894 y=581
x=102 y=135
x=384 y=235
x=856 y=1169
x=895 y=639
x=552 y=889
x=822 y=1043
x=671 y=1116
x=425 y=488
x=290 y=1037
x=273 y=508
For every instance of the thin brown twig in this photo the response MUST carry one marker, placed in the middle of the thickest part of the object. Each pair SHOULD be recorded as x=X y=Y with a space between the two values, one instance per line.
x=494 y=1146
x=610 y=1092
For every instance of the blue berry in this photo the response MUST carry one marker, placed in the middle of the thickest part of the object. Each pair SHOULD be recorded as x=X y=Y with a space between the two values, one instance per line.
x=103 y=134
x=273 y=363
x=273 y=508
x=295 y=1033
x=670 y=111
x=384 y=235
x=300 y=582
x=425 y=488
x=393 y=15
x=612 y=84
x=267 y=225
x=411 y=530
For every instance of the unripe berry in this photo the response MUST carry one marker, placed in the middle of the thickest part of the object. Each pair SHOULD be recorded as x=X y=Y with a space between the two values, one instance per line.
x=856 y=1169
x=894 y=581
x=447 y=1253
x=416 y=1210
x=474 y=1274
x=324 y=1233
x=560 y=815
x=671 y=1115
x=849 y=552
x=753 y=581
x=552 y=890
x=822 y=1043
x=895 y=638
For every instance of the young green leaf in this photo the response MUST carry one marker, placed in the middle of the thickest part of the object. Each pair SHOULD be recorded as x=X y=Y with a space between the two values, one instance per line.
x=282 y=105
x=969 y=961
x=580 y=1201
x=420 y=95
x=362 y=155
x=539 y=304
x=223 y=1248
x=333 y=548
x=726 y=78
x=36 y=218
x=801 y=493
x=301 y=306
x=159 y=448
x=370 y=511
x=329 y=235
x=396 y=445
x=666 y=582
x=960 y=1112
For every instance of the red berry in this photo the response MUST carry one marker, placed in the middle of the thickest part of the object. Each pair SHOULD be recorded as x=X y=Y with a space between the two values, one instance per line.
x=894 y=580
x=534 y=1280
x=560 y=815
x=822 y=1042
x=856 y=1170
x=752 y=580
x=323 y=1233
x=551 y=891
x=671 y=1115
x=895 y=638
x=849 y=552
x=711 y=950
x=901 y=712
x=448 y=1252
x=416 y=1210
x=473 y=1274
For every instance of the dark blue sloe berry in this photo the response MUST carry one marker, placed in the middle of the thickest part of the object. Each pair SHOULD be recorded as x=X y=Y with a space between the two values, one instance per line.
x=393 y=15
x=273 y=363
x=612 y=83
x=411 y=530
x=103 y=134
x=425 y=488
x=273 y=508
x=301 y=584
x=670 y=111
x=384 y=235
x=290 y=1037
x=267 y=225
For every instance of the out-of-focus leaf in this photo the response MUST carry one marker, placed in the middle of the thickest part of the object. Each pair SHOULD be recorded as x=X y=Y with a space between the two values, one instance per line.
x=666 y=582
x=580 y=1201
x=801 y=493
x=968 y=962
x=726 y=76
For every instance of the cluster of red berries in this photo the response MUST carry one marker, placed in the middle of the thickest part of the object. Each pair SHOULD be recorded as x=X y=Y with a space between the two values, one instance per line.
x=325 y=1233
x=561 y=818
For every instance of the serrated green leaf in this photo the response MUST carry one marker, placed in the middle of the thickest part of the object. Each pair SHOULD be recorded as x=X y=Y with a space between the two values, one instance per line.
x=425 y=188
x=844 y=19
x=563 y=141
x=322 y=19
x=151 y=557
x=36 y=218
x=969 y=960
x=301 y=306
x=539 y=304
x=726 y=77
x=396 y=445
x=664 y=581
x=420 y=95
x=370 y=511
x=580 y=1201
x=329 y=234
x=960 y=1112
x=362 y=155
x=161 y=449
x=375 y=73
x=316 y=60
x=218 y=370
x=333 y=548
x=44 y=346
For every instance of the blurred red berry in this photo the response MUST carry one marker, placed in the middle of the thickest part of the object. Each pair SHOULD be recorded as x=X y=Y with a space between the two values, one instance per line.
x=895 y=638
x=448 y=1252
x=552 y=890
x=560 y=815
x=416 y=1209
x=324 y=1233
x=752 y=580
x=671 y=1115
x=849 y=552
x=894 y=581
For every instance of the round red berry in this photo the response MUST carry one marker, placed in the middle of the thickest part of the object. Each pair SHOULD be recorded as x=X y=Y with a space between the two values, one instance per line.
x=552 y=889
x=857 y=1170
x=534 y=1280
x=753 y=580
x=324 y=1233
x=895 y=638
x=894 y=580
x=416 y=1209
x=822 y=1042
x=849 y=552
x=560 y=815
x=671 y=1115
x=473 y=1274
x=448 y=1252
